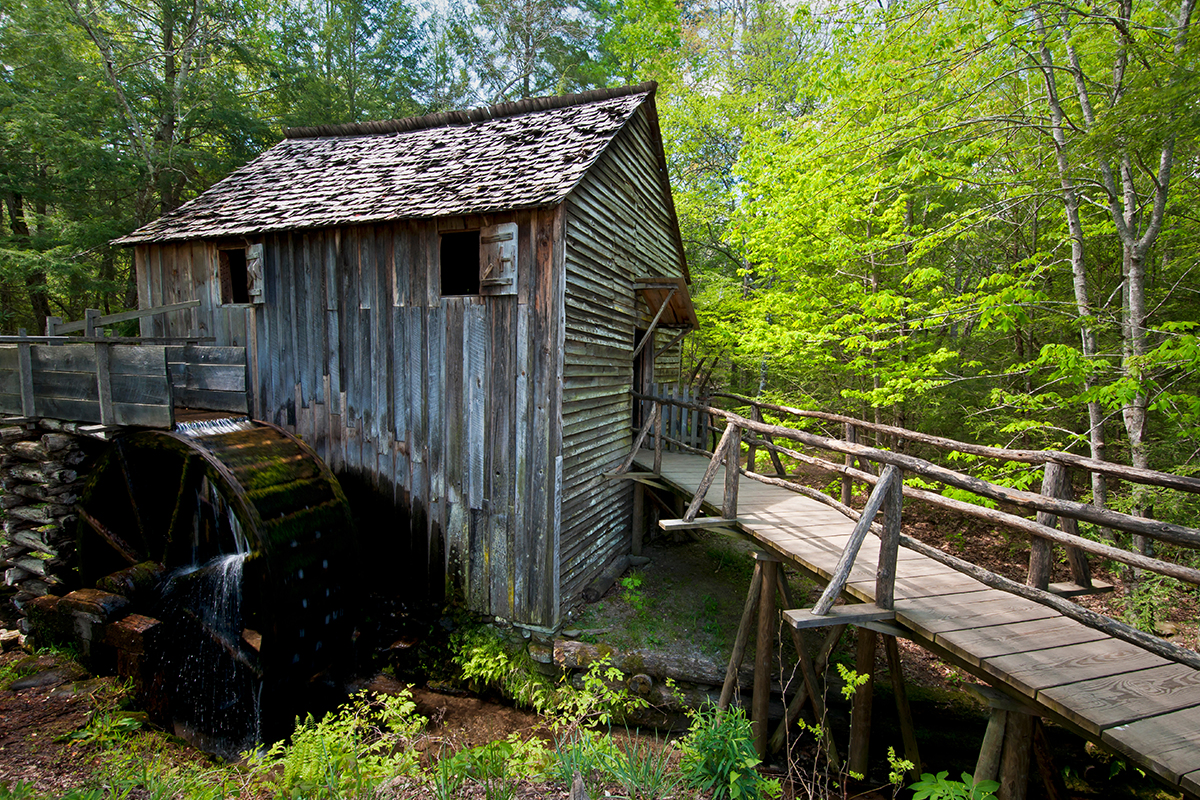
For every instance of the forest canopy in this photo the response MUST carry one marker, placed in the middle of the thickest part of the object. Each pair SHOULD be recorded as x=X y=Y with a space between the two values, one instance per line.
x=975 y=219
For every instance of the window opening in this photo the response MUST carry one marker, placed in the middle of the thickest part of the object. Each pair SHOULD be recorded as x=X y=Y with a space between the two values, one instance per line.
x=460 y=263
x=235 y=284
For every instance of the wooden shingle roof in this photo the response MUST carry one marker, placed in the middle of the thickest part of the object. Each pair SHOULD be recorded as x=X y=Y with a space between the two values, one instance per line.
x=515 y=155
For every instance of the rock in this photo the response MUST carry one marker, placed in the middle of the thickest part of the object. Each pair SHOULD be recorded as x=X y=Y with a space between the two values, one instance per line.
x=33 y=541
x=50 y=677
x=10 y=499
x=34 y=566
x=41 y=513
x=11 y=640
x=14 y=575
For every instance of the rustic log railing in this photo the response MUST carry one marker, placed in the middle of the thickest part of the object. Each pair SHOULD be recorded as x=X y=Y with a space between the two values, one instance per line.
x=1052 y=507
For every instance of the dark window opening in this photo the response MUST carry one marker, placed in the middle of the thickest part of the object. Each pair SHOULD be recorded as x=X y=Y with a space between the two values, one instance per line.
x=460 y=263
x=235 y=283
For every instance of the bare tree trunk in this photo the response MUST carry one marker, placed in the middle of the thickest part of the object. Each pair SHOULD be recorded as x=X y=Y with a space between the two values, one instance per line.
x=1079 y=277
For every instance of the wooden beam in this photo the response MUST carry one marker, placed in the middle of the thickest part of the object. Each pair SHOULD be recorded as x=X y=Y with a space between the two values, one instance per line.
x=25 y=365
x=733 y=455
x=889 y=541
x=672 y=343
x=124 y=316
x=764 y=638
x=641 y=437
x=710 y=473
x=743 y=636
x=903 y=711
x=850 y=614
x=841 y=572
x=1156 y=529
x=1150 y=477
x=662 y=309
x=861 y=705
x=104 y=383
x=698 y=522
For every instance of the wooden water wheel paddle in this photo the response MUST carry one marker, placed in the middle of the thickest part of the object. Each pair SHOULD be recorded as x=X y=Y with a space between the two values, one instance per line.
x=253 y=542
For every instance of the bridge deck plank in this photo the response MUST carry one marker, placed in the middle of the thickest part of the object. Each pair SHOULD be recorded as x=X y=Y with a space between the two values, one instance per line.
x=1135 y=702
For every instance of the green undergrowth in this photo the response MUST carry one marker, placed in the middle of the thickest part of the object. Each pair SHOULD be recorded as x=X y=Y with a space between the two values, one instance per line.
x=689 y=597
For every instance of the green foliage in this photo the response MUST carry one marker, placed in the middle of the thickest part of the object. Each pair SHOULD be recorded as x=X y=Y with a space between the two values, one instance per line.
x=718 y=756
x=937 y=787
x=897 y=767
x=107 y=728
x=485 y=658
x=350 y=752
x=851 y=680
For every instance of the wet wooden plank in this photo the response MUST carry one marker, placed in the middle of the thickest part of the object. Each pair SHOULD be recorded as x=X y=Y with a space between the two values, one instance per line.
x=1118 y=699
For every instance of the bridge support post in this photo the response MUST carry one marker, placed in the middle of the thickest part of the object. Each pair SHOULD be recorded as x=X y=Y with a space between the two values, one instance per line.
x=860 y=715
x=767 y=622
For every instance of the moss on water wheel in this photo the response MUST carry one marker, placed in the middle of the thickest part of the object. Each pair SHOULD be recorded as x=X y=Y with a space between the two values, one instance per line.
x=257 y=539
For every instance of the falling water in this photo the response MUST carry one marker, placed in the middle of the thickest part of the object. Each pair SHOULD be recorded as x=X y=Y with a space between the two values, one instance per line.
x=210 y=658
x=209 y=427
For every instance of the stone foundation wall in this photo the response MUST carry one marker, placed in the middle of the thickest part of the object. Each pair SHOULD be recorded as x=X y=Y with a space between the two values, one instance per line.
x=42 y=470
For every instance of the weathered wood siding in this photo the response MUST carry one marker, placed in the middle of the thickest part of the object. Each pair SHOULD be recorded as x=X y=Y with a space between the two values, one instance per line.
x=448 y=406
x=618 y=229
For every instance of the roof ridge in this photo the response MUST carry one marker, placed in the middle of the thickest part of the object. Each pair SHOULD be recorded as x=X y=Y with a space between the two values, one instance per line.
x=449 y=118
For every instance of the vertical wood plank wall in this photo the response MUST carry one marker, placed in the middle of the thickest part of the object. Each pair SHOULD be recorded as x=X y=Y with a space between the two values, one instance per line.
x=618 y=230
x=488 y=420
x=448 y=406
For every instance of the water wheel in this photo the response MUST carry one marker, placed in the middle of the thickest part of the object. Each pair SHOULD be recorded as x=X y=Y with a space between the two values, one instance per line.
x=250 y=540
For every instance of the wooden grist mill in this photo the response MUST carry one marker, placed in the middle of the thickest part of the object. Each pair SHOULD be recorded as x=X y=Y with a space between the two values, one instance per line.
x=447 y=313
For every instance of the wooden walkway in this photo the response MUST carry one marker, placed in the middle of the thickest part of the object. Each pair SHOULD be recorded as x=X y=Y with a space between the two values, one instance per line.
x=1139 y=704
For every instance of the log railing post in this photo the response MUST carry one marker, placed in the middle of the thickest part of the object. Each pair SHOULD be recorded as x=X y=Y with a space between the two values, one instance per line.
x=1081 y=571
x=52 y=324
x=733 y=457
x=658 y=436
x=1041 y=551
x=889 y=543
x=847 y=481
x=841 y=572
x=751 y=448
x=710 y=472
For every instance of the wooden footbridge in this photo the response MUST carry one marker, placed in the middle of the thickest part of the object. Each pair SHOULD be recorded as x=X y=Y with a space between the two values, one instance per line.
x=1047 y=657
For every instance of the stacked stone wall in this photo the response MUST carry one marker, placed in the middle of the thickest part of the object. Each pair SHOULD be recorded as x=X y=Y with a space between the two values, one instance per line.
x=42 y=470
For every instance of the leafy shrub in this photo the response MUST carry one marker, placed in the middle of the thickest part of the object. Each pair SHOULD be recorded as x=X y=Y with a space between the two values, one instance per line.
x=937 y=787
x=718 y=756
x=351 y=751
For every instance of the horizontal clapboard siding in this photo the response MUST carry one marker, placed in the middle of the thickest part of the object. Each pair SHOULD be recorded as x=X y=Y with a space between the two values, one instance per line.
x=619 y=229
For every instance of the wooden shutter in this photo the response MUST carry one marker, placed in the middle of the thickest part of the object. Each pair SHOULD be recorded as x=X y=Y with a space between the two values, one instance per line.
x=254 y=273
x=498 y=259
